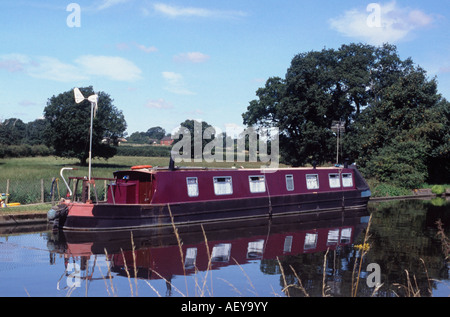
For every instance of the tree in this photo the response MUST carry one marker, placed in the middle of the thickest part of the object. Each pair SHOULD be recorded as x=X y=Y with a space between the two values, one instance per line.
x=408 y=126
x=139 y=138
x=388 y=106
x=68 y=125
x=34 y=132
x=156 y=133
x=192 y=133
x=12 y=131
x=319 y=87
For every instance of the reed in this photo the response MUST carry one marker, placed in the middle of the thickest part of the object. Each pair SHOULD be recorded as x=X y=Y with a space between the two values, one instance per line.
x=364 y=248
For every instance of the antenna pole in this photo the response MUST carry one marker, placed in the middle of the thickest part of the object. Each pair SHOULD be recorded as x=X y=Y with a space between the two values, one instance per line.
x=90 y=139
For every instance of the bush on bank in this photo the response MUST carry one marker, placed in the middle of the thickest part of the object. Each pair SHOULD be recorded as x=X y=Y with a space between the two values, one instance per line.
x=24 y=150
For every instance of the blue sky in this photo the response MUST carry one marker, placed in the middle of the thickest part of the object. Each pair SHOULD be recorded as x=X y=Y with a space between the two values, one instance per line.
x=167 y=61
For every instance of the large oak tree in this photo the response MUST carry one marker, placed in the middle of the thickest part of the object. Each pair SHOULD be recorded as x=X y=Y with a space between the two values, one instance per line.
x=396 y=122
x=68 y=125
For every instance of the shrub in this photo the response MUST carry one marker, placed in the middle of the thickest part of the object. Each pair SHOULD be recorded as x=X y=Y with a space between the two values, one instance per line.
x=400 y=164
x=386 y=190
x=152 y=151
x=438 y=189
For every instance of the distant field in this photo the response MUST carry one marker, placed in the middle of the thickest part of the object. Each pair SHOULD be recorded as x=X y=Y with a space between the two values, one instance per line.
x=48 y=167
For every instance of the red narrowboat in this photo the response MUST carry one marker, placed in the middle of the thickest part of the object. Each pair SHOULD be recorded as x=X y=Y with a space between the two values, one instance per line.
x=144 y=196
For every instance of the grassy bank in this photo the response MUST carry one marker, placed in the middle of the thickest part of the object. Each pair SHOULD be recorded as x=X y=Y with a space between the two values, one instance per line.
x=380 y=189
x=22 y=209
x=47 y=167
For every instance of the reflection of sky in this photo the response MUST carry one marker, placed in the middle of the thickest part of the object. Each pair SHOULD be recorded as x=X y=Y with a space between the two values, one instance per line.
x=25 y=270
x=24 y=267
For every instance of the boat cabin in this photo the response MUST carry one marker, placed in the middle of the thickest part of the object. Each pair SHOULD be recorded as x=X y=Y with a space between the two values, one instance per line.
x=162 y=186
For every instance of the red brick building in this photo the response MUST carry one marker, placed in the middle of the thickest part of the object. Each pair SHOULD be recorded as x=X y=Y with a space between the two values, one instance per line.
x=167 y=140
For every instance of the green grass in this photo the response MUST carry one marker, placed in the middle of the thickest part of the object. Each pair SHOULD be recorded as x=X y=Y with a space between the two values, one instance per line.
x=30 y=168
x=34 y=208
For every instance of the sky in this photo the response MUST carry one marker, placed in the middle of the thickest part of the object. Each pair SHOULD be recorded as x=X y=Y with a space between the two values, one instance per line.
x=163 y=62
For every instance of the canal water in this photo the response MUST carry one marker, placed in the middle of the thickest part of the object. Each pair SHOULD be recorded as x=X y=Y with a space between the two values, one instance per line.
x=390 y=249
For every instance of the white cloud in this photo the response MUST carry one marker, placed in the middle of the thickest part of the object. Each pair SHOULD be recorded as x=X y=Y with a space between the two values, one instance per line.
x=105 y=4
x=158 y=104
x=176 y=11
x=51 y=68
x=14 y=62
x=43 y=67
x=146 y=49
x=124 y=46
x=380 y=23
x=192 y=57
x=175 y=83
x=112 y=67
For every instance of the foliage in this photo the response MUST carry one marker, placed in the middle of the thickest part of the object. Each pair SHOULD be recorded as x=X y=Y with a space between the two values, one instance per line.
x=68 y=125
x=192 y=133
x=138 y=138
x=438 y=189
x=396 y=123
x=159 y=151
x=153 y=134
x=401 y=137
x=156 y=133
x=24 y=150
x=387 y=190
x=400 y=164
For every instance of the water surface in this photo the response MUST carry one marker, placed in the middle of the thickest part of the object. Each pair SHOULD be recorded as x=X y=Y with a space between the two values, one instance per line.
x=302 y=255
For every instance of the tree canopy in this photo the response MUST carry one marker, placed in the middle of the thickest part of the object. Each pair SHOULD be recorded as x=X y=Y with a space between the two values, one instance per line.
x=68 y=124
x=190 y=139
x=396 y=123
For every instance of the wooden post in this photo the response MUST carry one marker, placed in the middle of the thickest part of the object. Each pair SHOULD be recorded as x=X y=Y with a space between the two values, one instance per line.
x=42 y=190
x=7 y=190
x=105 y=190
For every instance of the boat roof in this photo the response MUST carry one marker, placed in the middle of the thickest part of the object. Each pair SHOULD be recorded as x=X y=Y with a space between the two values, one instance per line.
x=156 y=169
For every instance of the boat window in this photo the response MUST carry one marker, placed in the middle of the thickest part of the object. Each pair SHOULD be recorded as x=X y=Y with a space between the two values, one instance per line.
x=221 y=252
x=255 y=249
x=312 y=181
x=287 y=247
x=347 y=180
x=192 y=186
x=346 y=235
x=191 y=256
x=310 y=241
x=290 y=182
x=333 y=237
x=257 y=184
x=223 y=185
x=334 y=180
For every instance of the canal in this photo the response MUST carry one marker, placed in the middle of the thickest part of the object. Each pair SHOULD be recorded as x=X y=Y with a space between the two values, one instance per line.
x=390 y=249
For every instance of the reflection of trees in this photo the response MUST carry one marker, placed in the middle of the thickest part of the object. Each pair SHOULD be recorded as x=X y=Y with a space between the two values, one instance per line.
x=399 y=239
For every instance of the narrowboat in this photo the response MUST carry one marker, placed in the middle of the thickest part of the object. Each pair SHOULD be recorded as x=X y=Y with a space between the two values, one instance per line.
x=145 y=196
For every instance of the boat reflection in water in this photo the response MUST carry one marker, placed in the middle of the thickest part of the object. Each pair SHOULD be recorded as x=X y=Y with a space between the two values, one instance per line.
x=211 y=246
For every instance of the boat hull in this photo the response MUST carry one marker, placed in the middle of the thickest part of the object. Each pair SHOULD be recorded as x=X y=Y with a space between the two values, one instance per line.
x=106 y=216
